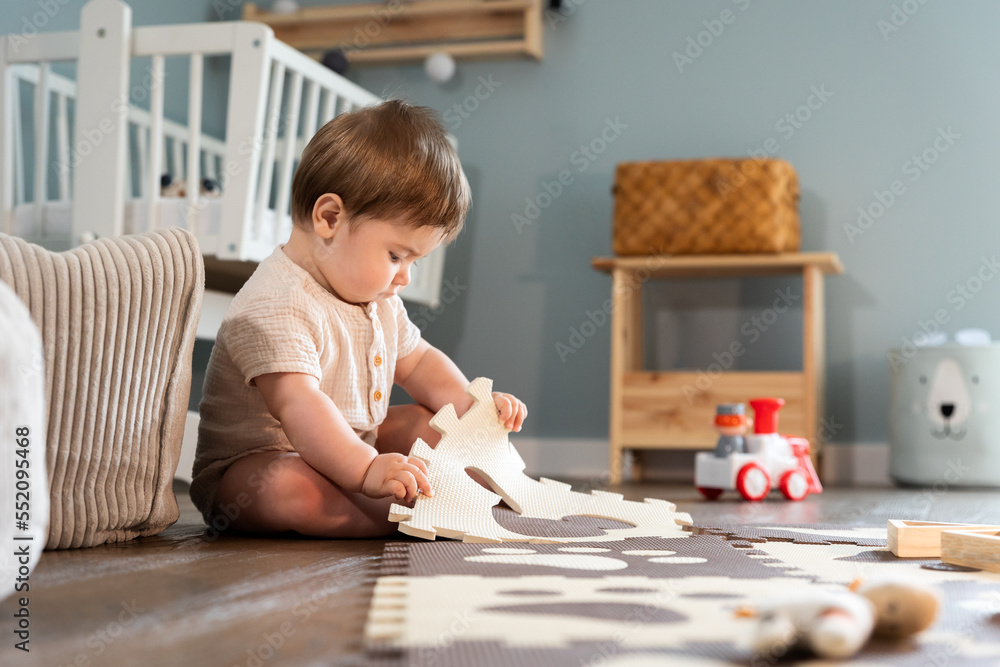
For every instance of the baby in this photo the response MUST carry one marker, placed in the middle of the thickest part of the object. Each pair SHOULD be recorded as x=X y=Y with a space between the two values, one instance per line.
x=296 y=433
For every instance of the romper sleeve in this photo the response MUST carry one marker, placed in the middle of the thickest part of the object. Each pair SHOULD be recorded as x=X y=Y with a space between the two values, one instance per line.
x=409 y=334
x=274 y=333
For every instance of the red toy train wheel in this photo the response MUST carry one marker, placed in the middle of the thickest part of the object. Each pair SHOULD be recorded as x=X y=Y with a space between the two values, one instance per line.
x=709 y=492
x=753 y=482
x=794 y=485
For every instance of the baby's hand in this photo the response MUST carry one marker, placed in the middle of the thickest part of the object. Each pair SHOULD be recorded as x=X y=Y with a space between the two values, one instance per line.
x=512 y=411
x=396 y=475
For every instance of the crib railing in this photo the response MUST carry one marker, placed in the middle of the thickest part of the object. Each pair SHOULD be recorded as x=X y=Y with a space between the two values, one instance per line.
x=107 y=150
x=276 y=100
x=53 y=92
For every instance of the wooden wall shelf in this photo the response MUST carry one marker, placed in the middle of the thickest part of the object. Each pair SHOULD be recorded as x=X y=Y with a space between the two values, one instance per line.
x=405 y=31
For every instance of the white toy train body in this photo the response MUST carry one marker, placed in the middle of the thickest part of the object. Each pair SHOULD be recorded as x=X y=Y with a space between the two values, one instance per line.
x=769 y=462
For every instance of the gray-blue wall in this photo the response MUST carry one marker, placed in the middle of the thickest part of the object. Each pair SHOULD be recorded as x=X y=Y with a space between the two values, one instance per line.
x=904 y=95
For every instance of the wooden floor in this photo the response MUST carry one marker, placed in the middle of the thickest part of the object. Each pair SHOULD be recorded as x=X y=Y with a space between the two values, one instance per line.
x=183 y=598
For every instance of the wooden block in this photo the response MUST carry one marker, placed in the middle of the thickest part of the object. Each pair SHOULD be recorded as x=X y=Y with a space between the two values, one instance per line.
x=922 y=539
x=972 y=548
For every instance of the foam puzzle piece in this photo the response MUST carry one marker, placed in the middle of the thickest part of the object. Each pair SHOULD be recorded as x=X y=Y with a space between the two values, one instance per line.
x=557 y=611
x=445 y=605
x=462 y=509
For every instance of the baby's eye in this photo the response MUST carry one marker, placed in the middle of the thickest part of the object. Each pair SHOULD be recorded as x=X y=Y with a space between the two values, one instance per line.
x=394 y=257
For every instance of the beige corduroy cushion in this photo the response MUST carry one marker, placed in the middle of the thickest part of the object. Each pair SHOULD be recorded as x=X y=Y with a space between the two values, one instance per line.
x=118 y=319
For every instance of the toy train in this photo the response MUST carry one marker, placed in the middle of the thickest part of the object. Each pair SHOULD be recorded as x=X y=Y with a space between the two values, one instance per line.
x=759 y=462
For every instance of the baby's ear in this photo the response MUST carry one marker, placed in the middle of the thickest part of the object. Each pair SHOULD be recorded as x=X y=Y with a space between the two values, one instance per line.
x=328 y=215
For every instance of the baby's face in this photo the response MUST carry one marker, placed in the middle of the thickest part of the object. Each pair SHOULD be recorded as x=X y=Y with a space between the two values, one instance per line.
x=372 y=261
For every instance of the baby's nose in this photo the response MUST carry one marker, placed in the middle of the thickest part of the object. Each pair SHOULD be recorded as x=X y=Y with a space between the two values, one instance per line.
x=403 y=276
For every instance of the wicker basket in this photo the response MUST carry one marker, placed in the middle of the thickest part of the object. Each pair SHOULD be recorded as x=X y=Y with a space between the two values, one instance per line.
x=716 y=206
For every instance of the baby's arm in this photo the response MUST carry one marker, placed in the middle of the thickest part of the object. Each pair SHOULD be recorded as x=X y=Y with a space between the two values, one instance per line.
x=432 y=379
x=323 y=438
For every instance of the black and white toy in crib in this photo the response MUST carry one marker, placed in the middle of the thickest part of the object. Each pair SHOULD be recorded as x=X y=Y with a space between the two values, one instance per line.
x=171 y=188
x=836 y=624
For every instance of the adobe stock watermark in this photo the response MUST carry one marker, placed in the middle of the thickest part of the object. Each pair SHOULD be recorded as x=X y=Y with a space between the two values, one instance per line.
x=99 y=642
x=271 y=642
x=91 y=138
x=37 y=21
x=697 y=44
x=594 y=320
x=941 y=652
x=581 y=159
x=451 y=290
x=230 y=169
x=914 y=168
x=556 y=17
x=752 y=329
x=786 y=126
x=899 y=16
x=459 y=112
x=950 y=476
x=364 y=32
x=460 y=624
x=646 y=609
x=959 y=296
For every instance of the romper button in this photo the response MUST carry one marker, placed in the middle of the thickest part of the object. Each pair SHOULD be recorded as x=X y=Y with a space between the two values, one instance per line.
x=378 y=396
x=378 y=360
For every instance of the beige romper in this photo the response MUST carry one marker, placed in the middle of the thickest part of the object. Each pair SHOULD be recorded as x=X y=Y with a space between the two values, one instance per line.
x=282 y=320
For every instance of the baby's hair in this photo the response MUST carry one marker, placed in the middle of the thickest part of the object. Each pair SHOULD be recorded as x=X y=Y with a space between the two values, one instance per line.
x=385 y=161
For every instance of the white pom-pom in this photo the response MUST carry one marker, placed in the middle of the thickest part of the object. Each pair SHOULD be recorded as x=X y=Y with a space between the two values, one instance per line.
x=285 y=7
x=440 y=67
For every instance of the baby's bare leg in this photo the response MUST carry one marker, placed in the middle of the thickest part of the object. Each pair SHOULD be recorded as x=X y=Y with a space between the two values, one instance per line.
x=275 y=492
x=402 y=425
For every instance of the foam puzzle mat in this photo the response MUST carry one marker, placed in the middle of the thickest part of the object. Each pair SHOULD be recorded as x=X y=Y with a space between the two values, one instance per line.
x=651 y=600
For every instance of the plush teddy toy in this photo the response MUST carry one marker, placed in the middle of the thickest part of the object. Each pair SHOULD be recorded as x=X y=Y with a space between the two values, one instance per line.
x=171 y=188
x=836 y=624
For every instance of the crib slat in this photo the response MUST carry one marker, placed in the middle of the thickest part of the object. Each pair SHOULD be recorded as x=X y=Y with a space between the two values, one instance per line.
x=194 y=141
x=177 y=157
x=312 y=104
x=102 y=79
x=329 y=107
x=287 y=160
x=142 y=153
x=62 y=146
x=41 y=144
x=270 y=134
x=156 y=152
x=250 y=73
x=15 y=102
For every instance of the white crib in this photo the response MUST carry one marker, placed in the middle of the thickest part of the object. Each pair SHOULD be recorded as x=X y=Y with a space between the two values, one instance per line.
x=98 y=158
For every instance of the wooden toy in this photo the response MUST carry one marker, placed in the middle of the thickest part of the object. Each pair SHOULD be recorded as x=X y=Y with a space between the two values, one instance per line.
x=972 y=548
x=922 y=539
x=462 y=509
x=770 y=460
